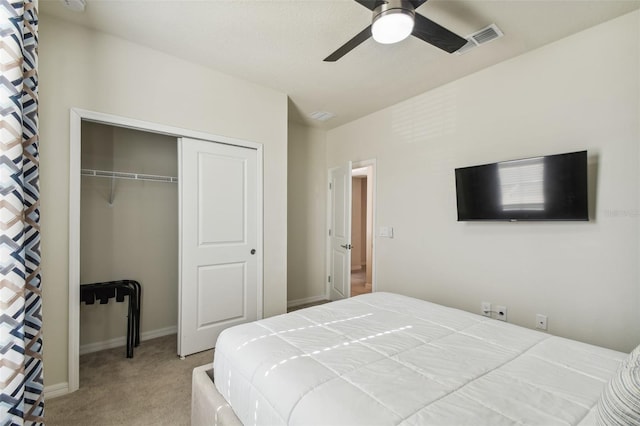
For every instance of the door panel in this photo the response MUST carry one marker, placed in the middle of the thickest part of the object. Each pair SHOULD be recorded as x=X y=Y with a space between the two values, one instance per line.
x=219 y=224
x=338 y=285
x=339 y=222
x=222 y=204
x=221 y=290
x=340 y=226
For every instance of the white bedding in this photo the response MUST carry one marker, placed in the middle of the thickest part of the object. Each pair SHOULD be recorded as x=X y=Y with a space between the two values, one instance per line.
x=388 y=359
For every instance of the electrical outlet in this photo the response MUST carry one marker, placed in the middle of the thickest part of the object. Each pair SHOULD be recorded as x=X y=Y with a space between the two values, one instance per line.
x=541 y=322
x=485 y=309
x=501 y=312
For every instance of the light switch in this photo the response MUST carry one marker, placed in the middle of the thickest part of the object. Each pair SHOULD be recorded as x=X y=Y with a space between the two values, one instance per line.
x=386 y=231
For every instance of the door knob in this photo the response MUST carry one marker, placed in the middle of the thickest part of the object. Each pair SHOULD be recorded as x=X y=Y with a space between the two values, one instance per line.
x=253 y=251
x=346 y=246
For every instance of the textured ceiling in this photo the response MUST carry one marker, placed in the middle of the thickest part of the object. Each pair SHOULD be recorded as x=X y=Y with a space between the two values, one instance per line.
x=281 y=43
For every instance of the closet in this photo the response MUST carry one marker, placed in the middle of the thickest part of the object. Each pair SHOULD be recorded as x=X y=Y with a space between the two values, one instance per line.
x=177 y=210
x=128 y=230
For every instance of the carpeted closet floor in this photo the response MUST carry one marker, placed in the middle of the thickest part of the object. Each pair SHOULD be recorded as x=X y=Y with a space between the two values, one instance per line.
x=152 y=388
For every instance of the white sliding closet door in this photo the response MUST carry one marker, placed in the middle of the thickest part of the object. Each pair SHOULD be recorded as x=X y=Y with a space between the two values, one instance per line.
x=219 y=256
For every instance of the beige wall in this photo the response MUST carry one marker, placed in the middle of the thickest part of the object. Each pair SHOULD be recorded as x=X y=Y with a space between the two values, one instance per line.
x=134 y=238
x=363 y=220
x=582 y=92
x=91 y=70
x=307 y=214
x=357 y=225
x=370 y=232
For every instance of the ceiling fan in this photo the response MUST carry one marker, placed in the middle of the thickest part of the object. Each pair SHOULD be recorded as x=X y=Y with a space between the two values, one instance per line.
x=395 y=20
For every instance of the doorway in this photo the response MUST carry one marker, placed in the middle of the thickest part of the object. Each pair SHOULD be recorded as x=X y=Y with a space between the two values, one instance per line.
x=350 y=246
x=128 y=231
x=361 y=229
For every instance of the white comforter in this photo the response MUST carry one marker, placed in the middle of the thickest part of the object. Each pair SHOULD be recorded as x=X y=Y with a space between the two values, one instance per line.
x=388 y=359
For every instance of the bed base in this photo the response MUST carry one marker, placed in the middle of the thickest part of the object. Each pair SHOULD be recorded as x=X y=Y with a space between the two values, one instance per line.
x=208 y=407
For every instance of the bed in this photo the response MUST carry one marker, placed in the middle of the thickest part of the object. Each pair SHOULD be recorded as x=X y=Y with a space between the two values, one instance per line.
x=387 y=359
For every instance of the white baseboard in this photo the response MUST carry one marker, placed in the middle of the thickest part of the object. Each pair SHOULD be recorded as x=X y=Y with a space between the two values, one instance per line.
x=122 y=341
x=312 y=299
x=56 y=390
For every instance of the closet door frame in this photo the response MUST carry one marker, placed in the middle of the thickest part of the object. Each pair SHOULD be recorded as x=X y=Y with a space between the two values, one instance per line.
x=77 y=116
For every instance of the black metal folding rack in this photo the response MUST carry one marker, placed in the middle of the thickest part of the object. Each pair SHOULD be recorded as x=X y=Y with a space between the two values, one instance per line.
x=104 y=291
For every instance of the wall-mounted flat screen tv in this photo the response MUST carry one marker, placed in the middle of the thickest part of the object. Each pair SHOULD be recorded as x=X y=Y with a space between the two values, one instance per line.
x=552 y=187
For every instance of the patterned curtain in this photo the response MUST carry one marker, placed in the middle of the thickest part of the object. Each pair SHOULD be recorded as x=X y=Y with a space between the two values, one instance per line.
x=22 y=397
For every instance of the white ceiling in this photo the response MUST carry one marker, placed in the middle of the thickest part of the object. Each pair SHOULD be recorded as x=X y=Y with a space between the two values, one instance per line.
x=281 y=43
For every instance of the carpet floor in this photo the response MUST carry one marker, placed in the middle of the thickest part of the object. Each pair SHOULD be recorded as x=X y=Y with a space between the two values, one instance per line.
x=152 y=388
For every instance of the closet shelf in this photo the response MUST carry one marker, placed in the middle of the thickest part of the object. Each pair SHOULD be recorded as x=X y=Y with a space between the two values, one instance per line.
x=127 y=175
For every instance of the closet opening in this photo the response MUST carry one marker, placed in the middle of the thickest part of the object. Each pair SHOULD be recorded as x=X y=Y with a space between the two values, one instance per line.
x=128 y=231
x=144 y=206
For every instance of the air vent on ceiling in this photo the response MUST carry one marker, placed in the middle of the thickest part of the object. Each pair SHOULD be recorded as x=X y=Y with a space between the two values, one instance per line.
x=322 y=115
x=483 y=36
x=75 y=5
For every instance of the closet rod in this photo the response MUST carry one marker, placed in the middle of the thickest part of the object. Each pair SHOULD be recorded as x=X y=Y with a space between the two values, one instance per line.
x=127 y=175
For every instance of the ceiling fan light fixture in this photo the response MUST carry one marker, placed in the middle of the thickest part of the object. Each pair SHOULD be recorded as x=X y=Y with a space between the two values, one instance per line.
x=392 y=21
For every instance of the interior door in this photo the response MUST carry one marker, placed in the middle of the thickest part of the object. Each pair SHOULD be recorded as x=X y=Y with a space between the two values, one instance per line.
x=340 y=232
x=219 y=256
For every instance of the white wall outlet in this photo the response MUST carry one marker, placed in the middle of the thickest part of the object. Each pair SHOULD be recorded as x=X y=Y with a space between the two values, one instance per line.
x=485 y=309
x=501 y=312
x=541 y=322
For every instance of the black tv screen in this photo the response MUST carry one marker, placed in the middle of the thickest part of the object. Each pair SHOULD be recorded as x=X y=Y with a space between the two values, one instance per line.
x=552 y=187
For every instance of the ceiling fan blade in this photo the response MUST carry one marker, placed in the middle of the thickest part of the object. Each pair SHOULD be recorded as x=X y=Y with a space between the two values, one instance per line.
x=372 y=4
x=427 y=30
x=417 y=3
x=350 y=45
